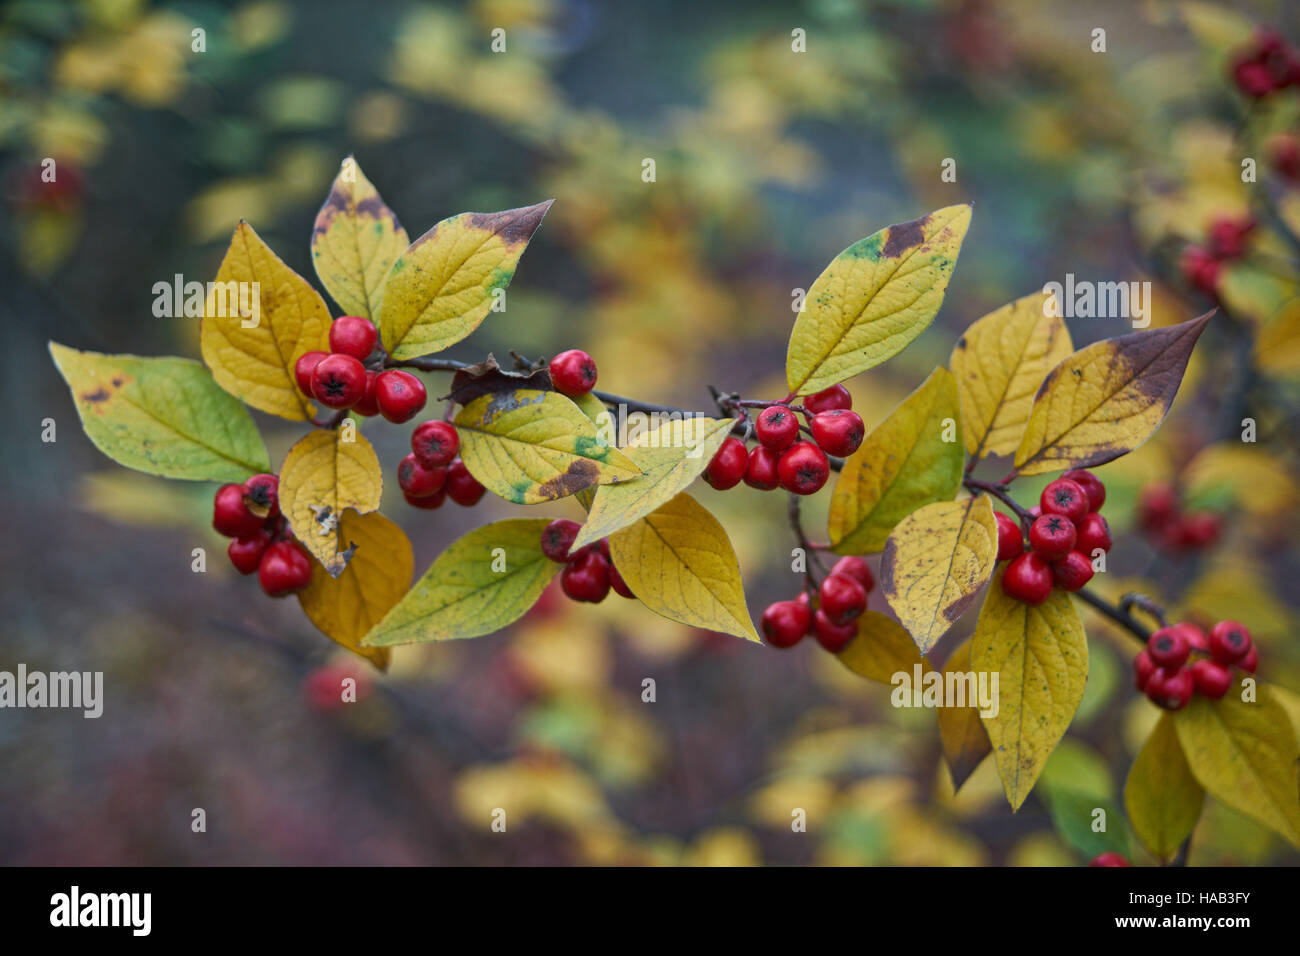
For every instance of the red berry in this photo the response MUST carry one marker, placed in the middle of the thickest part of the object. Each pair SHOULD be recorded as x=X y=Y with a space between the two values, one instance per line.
x=230 y=516
x=303 y=368
x=1168 y=648
x=573 y=372
x=1228 y=236
x=1200 y=269
x=262 y=495
x=368 y=404
x=1092 y=534
x=429 y=502
x=837 y=396
x=803 y=468
x=785 y=623
x=416 y=480
x=1171 y=690
x=1284 y=153
x=1109 y=858
x=285 y=568
x=338 y=381
x=617 y=583
x=804 y=600
x=1143 y=668
x=462 y=487
x=1091 y=485
x=400 y=395
x=586 y=578
x=857 y=568
x=1250 y=662
x=1157 y=505
x=1073 y=571
x=1052 y=536
x=1229 y=642
x=777 y=427
x=761 y=470
x=1198 y=530
x=1064 y=497
x=1212 y=680
x=834 y=637
x=435 y=443
x=1197 y=639
x=246 y=553
x=558 y=538
x=353 y=335
x=842 y=598
x=1028 y=578
x=1252 y=79
x=727 y=467
x=839 y=432
x=1011 y=540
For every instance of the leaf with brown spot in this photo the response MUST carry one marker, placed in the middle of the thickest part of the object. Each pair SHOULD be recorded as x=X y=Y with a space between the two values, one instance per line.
x=163 y=416
x=1106 y=399
x=530 y=446
x=355 y=242
x=935 y=562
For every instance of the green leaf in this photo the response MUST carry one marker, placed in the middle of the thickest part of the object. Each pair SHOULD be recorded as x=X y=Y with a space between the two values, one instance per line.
x=1107 y=399
x=873 y=299
x=355 y=242
x=672 y=456
x=902 y=465
x=164 y=416
x=1244 y=754
x=1161 y=795
x=679 y=562
x=1076 y=819
x=443 y=286
x=487 y=579
x=530 y=446
x=935 y=562
x=1040 y=653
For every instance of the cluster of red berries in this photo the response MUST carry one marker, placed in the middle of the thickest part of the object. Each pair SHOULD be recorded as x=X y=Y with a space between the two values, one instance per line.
x=841 y=600
x=1168 y=675
x=339 y=379
x=1202 y=265
x=1065 y=535
x=432 y=472
x=588 y=574
x=1266 y=66
x=1171 y=528
x=781 y=458
x=250 y=513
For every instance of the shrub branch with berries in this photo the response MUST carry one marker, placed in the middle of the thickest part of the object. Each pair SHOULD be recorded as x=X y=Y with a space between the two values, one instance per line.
x=906 y=489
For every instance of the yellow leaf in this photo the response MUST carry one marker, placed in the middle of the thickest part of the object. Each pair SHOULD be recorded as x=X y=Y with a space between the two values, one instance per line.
x=961 y=732
x=1244 y=754
x=485 y=580
x=445 y=283
x=530 y=446
x=256 y=364
x=328 y=470
x=347 y=607
x=355 y=242
x=1277 y=347
x=1040 y=653
x=903 y=463
x=1162 y=798
x=873 y=299
x=999 y=364
x=679 y=562
x=935 y=562
x=881 y=650
x=1260 y=484
x=672 y=456
x=1107 y=399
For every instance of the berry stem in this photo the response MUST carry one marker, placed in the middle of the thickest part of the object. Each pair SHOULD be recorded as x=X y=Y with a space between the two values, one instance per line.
x=1000 y=492
x=1117 y=614
x=1132 y=599
x=810 y=550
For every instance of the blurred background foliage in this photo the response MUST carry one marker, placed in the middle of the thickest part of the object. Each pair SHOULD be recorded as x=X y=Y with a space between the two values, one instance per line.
x=768 y=163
